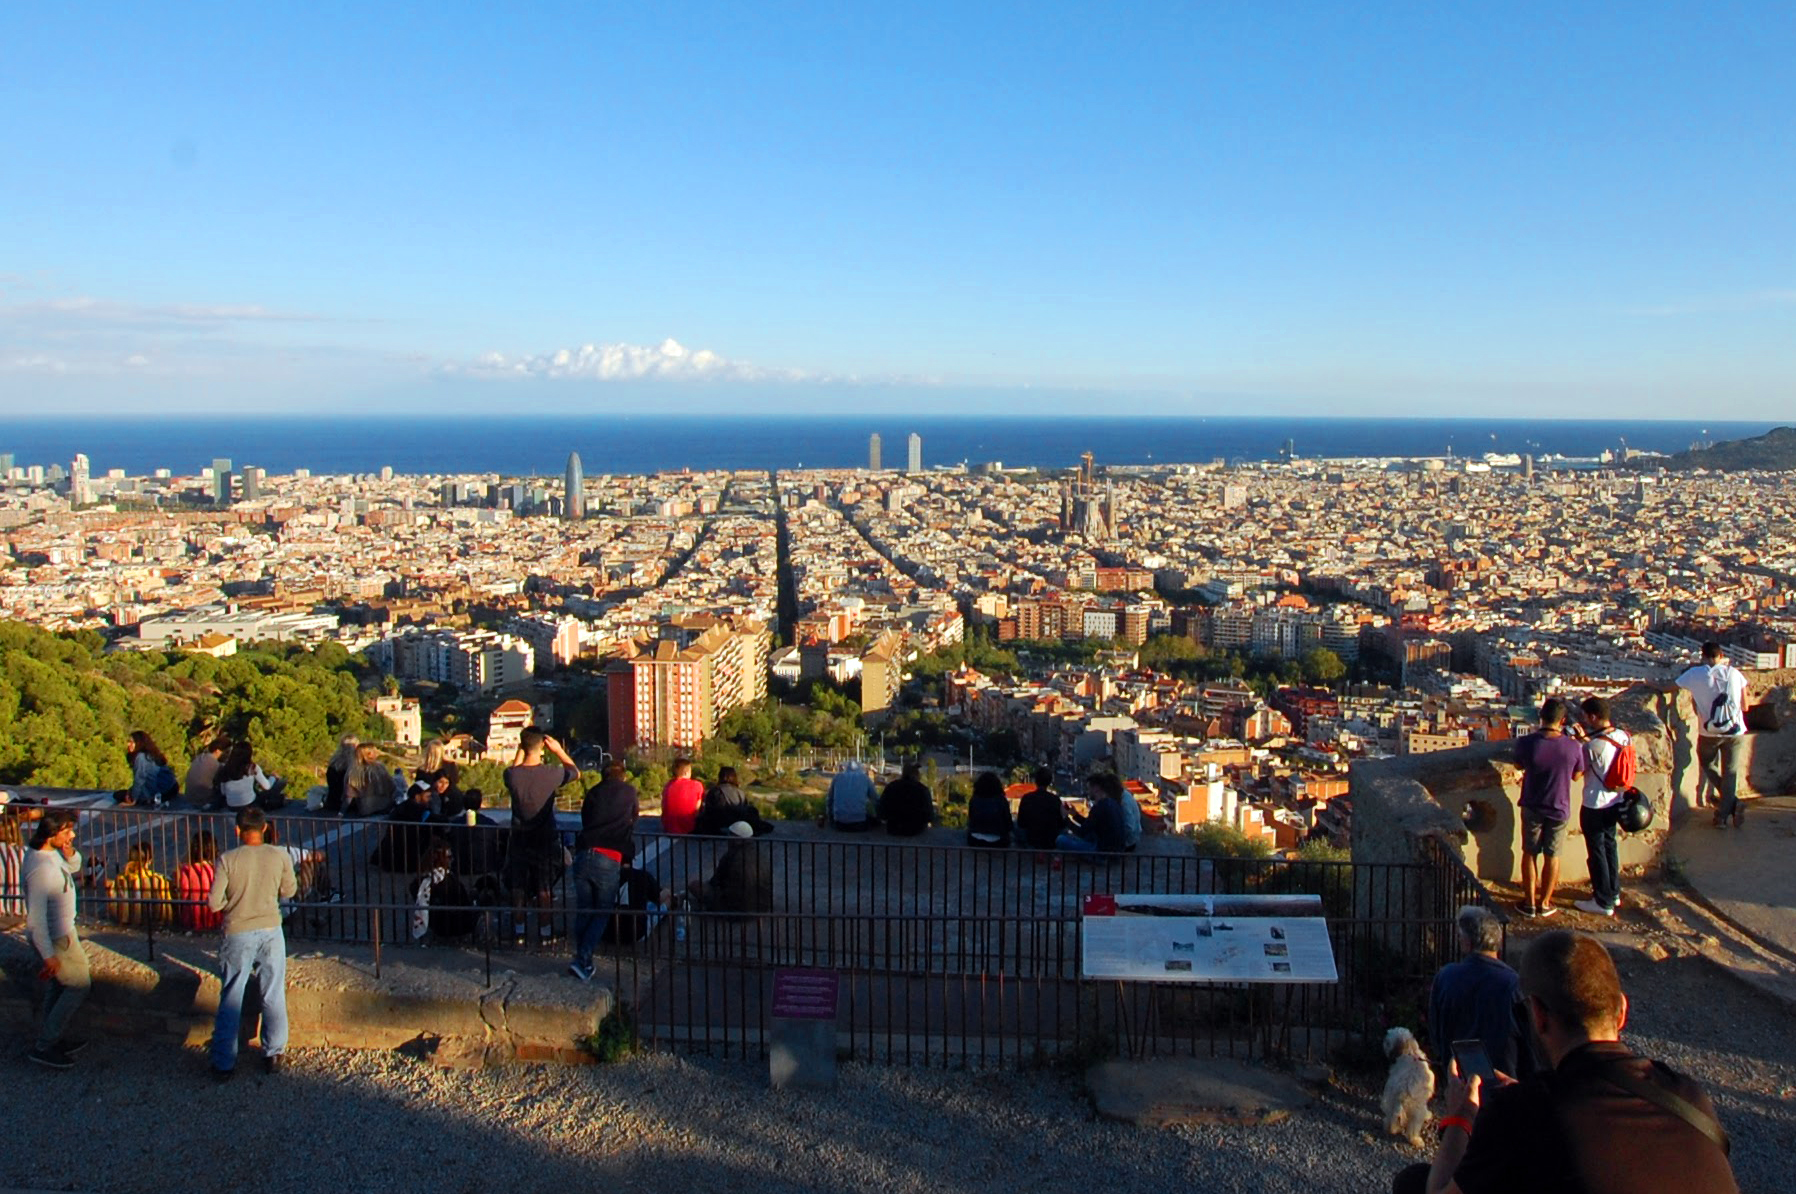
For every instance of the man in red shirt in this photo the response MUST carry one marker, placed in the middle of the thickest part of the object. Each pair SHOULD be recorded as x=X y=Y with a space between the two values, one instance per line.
x=680 y=799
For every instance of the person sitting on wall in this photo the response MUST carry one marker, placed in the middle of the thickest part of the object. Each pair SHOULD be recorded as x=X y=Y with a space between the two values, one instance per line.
x=988 y=813
x=907 y=806
x=1100 y=830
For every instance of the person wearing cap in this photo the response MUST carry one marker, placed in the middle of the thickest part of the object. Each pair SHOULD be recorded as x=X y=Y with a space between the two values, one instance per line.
x=250 y=884
x=607 y=841
x=52 y=870
x=742 y=884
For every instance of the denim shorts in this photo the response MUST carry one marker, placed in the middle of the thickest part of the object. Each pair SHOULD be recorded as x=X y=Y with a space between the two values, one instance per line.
x=1541 y=835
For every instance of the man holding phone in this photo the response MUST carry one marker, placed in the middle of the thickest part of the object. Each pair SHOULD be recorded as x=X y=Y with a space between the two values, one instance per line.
x=1604 y=1121
x=1479 y=998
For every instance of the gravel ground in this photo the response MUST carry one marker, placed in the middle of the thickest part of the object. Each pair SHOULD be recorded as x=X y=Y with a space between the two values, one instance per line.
x=141 y=1116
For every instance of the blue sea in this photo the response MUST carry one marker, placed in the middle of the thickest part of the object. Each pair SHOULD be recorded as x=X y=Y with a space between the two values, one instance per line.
x=610 y=444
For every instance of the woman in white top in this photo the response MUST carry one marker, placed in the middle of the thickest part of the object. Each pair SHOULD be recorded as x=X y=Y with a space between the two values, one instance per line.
x=242 y=783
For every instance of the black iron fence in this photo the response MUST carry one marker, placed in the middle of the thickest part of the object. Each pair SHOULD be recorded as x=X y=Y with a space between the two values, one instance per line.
x=946 y=954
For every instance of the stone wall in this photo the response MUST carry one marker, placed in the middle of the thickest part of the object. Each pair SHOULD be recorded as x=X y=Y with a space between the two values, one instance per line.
x=1468 y=796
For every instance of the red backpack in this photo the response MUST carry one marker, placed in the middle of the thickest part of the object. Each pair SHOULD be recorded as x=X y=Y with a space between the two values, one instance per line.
x=1623 y=766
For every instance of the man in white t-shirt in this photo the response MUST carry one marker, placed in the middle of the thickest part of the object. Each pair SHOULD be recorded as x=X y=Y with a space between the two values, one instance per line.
x=1599 y=819
x=1719 y=692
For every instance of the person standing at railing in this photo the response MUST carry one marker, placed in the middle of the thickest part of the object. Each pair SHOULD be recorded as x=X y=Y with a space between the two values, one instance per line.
x=533 y=862
x=51 y=871
x=252 y=881
x=1550 y=759
x=607 y=841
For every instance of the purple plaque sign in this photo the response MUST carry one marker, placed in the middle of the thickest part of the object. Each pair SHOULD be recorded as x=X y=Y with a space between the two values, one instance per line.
x=805 y=994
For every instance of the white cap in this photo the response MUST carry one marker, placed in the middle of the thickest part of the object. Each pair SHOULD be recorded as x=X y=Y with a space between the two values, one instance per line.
x=742 y=829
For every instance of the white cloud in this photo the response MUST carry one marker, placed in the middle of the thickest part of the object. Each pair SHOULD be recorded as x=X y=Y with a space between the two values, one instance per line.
x=669 y=360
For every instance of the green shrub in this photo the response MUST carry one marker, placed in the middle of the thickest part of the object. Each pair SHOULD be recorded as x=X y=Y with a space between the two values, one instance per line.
x=1213 y=839
x=615 y=1039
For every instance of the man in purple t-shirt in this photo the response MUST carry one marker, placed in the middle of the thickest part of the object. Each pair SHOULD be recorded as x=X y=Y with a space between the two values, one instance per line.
x=1550 y=758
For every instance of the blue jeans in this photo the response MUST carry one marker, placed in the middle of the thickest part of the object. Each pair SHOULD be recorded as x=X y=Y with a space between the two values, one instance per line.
x=1599 y=828
x=1072 y=841
x=263 y=951
x=595 y=895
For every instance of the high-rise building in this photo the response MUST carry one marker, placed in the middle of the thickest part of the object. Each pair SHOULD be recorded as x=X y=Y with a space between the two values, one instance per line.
x=873 y=452
x=916 y=453
x=5 y=466
x=386 y=472
x=671 y=692
x=574 y=501
x=252 y=482
x=81 y=490
x=221 y=480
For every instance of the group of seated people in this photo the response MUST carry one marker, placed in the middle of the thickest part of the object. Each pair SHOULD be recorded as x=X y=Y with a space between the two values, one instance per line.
x=1041 y=821
x=223 y=775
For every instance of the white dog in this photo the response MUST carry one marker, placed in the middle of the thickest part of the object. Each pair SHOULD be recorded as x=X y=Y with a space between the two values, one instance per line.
x=1408 y=1089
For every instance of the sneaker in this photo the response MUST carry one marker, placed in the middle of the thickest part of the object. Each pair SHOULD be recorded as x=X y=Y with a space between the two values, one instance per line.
x=580 y=970
x=71 y=1045
x=274 y=1064
x=1546 y=910
x=1592 y=907
x=1527 y=910
x=53 y=1058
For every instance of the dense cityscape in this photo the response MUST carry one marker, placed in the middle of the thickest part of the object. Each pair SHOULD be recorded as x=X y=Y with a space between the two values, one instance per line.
x=1229 y=638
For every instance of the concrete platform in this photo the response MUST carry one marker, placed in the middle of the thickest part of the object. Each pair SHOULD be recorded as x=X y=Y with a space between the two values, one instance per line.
x=1744 y=874
x=438 y=998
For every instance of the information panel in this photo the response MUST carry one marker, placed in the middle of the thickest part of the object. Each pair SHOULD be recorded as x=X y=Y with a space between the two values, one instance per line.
x=1207 y=939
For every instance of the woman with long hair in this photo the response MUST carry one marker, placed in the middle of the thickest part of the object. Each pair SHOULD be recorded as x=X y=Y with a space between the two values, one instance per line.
x=989 y=822
x=242 y=782
x=336 y=772
x=147 y=764
x=445 y=798
x=368 y=788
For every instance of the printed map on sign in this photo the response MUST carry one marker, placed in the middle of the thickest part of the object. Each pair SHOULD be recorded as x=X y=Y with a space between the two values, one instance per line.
x=1209 y=938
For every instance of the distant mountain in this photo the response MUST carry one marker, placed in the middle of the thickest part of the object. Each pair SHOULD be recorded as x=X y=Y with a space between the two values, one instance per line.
x=1773 y=451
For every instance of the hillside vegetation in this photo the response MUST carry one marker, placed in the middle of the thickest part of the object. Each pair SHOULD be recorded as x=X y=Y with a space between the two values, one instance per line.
x=1774 y=451
x=66 y=706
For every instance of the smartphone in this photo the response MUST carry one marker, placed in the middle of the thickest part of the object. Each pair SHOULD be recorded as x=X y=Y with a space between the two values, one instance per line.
x=1473 y=1059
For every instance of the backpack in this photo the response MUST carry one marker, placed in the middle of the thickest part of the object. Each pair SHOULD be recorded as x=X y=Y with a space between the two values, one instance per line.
x=1721 y=716
x=167 y=786
x=1623 y=765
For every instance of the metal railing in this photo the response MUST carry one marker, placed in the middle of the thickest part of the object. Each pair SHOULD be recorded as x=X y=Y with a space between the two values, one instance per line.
x=947 y=954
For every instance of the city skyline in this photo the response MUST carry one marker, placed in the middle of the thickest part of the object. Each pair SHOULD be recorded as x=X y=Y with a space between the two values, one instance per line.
x=1318 y=211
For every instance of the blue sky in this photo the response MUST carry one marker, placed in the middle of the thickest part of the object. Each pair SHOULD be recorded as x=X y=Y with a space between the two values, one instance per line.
x=1303 y=208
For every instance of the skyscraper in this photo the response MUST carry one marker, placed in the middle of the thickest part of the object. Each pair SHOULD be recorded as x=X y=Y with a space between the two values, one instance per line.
x=81 y=492
x=221 y=480
x=873 y=452
x=916 y=453
x=252 y=482
x=574 y=502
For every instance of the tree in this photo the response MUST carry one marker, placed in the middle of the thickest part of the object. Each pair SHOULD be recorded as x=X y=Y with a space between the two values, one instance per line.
x=1322 y=666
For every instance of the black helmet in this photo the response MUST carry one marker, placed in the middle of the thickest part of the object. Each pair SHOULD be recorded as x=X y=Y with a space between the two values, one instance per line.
x=1636 y=810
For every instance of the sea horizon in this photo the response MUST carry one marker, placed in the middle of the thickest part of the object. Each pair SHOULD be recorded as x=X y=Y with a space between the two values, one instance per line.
x=537 y=445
